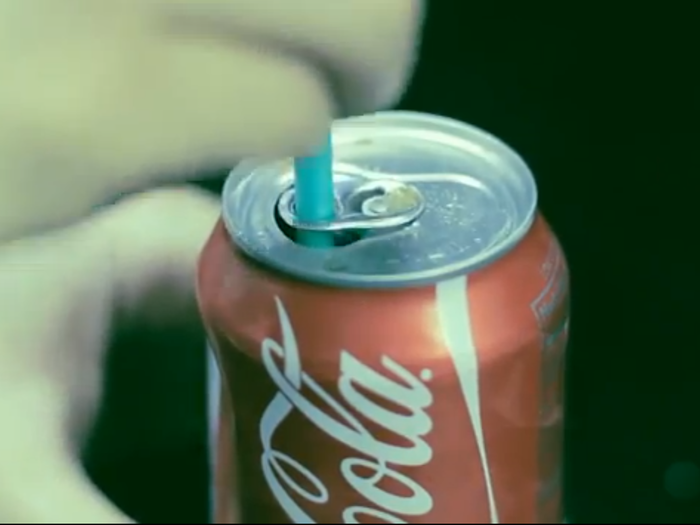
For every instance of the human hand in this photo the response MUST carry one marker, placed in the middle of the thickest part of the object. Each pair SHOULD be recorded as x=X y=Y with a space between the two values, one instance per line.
x=100 y=98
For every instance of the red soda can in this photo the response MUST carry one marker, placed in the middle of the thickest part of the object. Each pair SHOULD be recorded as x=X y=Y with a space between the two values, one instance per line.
x=414 y=372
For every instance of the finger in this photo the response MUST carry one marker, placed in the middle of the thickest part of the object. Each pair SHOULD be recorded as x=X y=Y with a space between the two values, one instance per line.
x=45 y=485
x=41 y=479
x=155 y=394
x=137 y=258
x=368 y=46
x=132 y=263
x=135 y=261
x=154 y=240
x=194 y=102
x=213 y=101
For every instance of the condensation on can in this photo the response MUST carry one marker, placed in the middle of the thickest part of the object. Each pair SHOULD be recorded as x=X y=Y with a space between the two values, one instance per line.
x=435 y=400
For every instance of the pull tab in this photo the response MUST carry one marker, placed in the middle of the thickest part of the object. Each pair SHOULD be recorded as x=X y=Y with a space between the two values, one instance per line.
x=371 y=205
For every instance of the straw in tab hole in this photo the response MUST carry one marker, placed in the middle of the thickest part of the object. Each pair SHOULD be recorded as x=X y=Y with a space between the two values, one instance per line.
x=314 y=195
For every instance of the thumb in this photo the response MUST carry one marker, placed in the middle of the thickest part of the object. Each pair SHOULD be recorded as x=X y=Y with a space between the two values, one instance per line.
x=49 y=484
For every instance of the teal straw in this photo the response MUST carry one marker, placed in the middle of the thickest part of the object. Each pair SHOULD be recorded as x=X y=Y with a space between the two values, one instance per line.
x=314 y=197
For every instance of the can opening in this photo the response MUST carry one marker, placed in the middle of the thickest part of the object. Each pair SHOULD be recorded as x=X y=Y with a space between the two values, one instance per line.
x=340 y=238
x=364 y=208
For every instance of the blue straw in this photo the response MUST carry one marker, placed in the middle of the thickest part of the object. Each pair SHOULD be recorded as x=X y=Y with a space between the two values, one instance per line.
x=315 y=200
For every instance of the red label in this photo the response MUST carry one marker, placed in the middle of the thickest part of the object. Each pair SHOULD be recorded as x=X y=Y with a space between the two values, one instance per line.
x=439 y=404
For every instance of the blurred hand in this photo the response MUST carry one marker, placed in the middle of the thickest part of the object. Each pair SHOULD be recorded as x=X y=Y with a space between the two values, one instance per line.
x=103 y=98
x=99 y=98
x=64 y=296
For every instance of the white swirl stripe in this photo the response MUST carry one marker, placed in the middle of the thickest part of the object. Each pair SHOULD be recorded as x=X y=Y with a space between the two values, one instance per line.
x=455 y=321
x=374 y=461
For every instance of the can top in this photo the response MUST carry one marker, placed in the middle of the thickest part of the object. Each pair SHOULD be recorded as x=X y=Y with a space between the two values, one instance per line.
x=467 y=197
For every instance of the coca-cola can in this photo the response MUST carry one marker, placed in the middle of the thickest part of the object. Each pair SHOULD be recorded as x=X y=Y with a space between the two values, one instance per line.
x=413 y=373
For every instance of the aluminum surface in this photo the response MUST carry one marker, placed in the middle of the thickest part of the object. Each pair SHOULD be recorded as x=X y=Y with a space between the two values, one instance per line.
x=479 y=199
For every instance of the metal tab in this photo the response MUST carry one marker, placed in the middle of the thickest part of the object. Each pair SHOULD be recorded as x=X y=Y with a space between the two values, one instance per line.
x=362 y=205
x=435 y=198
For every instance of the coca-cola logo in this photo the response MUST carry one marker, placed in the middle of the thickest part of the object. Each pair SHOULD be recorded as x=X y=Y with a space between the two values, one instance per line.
x=395 y=384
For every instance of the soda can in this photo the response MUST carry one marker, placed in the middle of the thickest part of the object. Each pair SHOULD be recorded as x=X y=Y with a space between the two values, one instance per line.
x=413 y=373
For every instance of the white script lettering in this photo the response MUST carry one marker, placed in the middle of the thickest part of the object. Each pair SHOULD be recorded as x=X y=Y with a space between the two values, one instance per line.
x=362 y=474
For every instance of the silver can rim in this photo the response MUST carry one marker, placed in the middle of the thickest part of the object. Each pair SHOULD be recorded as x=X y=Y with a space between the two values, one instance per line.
x=420 y=125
